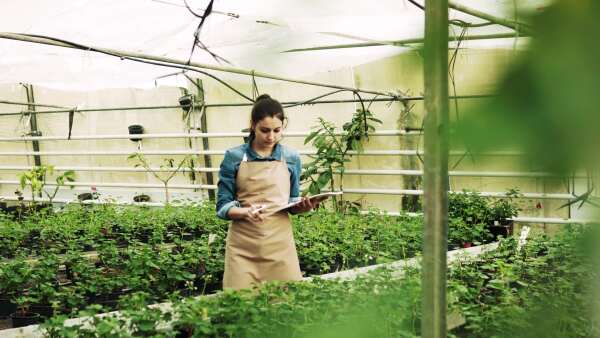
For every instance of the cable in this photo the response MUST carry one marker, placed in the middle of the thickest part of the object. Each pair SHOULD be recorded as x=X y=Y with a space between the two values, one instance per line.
x=456 y=22
x=197 y=41
x=157 y=63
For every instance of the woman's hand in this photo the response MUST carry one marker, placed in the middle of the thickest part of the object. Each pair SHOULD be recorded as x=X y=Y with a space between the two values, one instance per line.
x=305 y=205
x=252 y=214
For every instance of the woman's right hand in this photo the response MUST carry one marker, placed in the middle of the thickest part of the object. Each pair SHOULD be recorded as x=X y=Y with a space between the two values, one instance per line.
x=252 y=214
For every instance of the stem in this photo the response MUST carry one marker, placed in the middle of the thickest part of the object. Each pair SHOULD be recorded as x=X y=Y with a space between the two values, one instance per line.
x=166 y=183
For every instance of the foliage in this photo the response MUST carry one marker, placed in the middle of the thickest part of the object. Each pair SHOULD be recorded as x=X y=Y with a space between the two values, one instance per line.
x=469 y=206
x=505 y=208
x=174 y=250
x=332 y=152
x=547 y=103
x=501 y=294
x=36 y=179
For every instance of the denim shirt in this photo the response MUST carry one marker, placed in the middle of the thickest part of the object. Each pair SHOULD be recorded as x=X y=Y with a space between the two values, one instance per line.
x=227 y=190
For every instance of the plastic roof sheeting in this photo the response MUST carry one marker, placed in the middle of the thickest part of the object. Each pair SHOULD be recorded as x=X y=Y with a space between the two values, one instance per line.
x=252 y=36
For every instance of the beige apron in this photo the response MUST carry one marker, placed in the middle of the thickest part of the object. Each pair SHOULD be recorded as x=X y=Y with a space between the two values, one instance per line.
x=259 y=252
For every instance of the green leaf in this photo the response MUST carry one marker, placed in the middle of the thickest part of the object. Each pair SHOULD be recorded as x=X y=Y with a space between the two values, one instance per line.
x=324 y=179
x=310 y=137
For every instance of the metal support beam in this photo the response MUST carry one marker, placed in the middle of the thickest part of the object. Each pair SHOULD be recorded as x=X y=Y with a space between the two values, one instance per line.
x=519 y=27
x=239 y=104
x=175 y=63
x=435 y=180
x=205 y=144
x=33 y=123
x=405 y=42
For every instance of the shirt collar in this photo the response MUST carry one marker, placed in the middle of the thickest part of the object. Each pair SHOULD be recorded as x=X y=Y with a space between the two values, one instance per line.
x=253 y=156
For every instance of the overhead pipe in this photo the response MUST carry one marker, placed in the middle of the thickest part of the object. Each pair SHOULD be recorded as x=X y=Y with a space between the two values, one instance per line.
x=367 y=191
x=122 y=185
x=376 y=172
x=240 y=104
x=519 y=27
x=189 y=135
x=404 y=42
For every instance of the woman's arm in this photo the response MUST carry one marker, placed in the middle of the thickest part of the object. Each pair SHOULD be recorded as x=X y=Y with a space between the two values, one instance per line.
x=247 y=214
x=226 y=190
x=296 y=169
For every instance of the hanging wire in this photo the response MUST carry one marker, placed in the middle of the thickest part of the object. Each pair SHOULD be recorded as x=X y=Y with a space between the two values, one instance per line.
x=156 y=63
x=453 y=82
x=229 y=14
x=197 y=42
x=255 y=92
x=315 y=98
x=456 y=22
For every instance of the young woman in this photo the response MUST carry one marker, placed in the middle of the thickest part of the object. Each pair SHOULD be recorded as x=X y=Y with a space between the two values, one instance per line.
x=254 y=179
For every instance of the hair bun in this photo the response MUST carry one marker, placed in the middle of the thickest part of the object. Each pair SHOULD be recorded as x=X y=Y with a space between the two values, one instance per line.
x=262 y=97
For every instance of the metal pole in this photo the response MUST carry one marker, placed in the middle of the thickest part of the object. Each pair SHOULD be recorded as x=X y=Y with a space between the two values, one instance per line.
x=189 y=135
x=244 y=104
x=33 y=124
x=30 y=104
x=407 y=152
x=205 y=144
x=521 y=28
x=435 y=180
x=405 y=42
x=139 y=57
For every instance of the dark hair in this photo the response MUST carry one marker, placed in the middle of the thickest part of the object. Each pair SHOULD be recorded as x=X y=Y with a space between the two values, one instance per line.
x=265 y=106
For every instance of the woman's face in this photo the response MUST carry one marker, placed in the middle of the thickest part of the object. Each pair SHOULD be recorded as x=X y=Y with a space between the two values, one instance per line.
x=268 y=132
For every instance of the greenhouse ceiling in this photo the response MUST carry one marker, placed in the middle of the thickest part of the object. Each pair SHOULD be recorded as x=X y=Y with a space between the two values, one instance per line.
x=252 y=35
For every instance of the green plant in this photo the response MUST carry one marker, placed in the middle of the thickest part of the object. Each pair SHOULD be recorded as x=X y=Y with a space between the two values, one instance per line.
x=167 y=170
x=470 y=206
x=463 y=234
x=332 y=152
x=505 y=208
x=36 y=178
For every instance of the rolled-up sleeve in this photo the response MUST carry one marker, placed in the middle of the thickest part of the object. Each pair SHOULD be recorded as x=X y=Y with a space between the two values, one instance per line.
x=226 y=187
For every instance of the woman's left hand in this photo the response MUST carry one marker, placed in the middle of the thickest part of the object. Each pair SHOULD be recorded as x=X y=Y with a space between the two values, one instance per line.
x=304 y=206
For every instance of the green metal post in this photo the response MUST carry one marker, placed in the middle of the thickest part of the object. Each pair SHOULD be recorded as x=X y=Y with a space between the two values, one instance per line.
x=205 y=144
x=435 y=179
x=33 y=124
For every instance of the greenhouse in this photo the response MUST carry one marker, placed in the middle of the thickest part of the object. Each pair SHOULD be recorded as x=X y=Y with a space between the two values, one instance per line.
x=202 y=168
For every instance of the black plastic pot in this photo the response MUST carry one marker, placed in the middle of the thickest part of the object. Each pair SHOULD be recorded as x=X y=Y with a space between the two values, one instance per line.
x=186 y=102
x=20 y=319
x=85 y=196
x=183 y=332
x=6 y=307
x=44 y=310
x=135 y=129
x=141 y=198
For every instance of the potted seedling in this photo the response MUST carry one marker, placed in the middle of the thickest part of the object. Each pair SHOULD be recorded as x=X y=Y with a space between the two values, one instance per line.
x=24 y=317
x=36 y=179
x=463 y=234
x=167 y=170
x=501 y=213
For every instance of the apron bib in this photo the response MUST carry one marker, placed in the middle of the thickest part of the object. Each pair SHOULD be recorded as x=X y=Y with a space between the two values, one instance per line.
x=256 y=253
